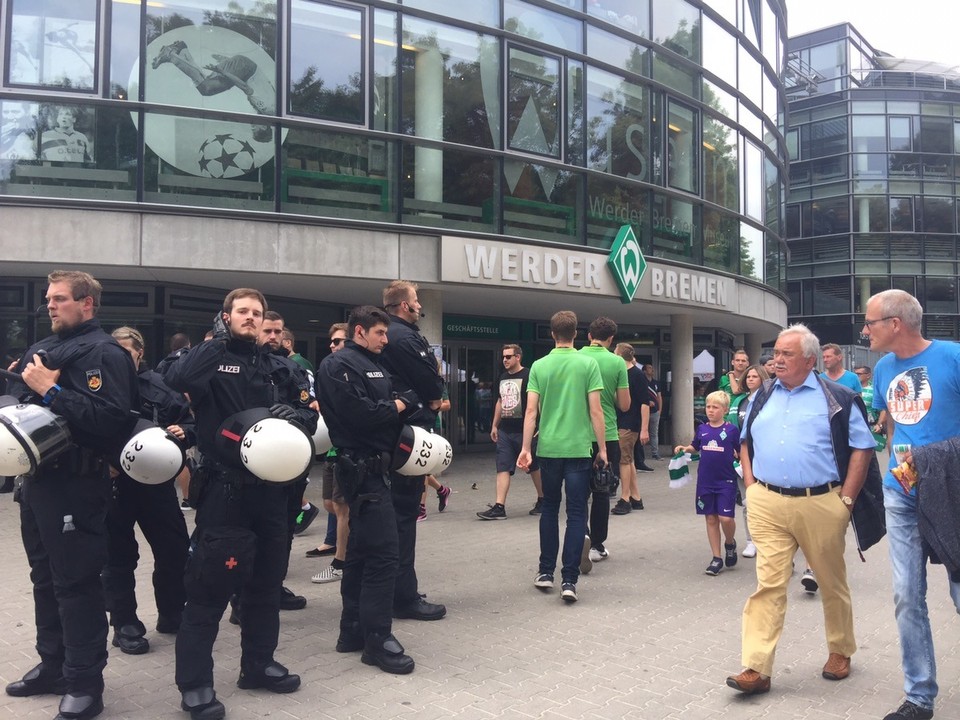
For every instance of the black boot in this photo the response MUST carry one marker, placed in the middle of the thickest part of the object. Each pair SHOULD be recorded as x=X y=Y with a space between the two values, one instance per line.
x=386 y=652
x=80 y=705
x=7 y=486
x=202 y=704
x=290 y=601
x=130 y=638
x=351 y=637
x=234 y=610
x=39 y=681
x=274 y=677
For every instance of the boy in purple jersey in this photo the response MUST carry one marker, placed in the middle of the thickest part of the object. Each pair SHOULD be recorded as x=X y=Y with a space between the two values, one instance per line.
x=717 y=441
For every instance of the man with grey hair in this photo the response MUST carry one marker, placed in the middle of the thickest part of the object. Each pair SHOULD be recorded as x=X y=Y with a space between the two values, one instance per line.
x=805 y=453
x=917 y=383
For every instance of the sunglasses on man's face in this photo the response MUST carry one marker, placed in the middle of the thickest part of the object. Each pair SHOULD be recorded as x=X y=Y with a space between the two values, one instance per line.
x=337 y=341
x=508 y=357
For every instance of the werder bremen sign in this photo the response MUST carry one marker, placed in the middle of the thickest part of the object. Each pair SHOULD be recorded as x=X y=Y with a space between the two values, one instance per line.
x=627 y=264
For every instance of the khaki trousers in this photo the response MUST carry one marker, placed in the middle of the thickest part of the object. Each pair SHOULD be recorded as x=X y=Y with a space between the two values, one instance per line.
x=779 y=525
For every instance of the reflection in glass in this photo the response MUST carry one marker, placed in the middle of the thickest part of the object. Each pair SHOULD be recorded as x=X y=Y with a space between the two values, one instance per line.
x=533 y=102
x=331 y=89
x=86 y=153
x=720 y=169
x=901 y=133
x=870 y=214
x=548 y=27
x=612 y=204
x=938 y=215
x=675 y=75
x=575 y=104
x=468 y=196
x=482 y=12
x=751 y=250
x=617 y=127
x=208 y=162
x=675 y=226
x=901 y=214
x=632 y=15
x=676 y=26
x=720 y=51
x=682 y=148
x=541 y=202
x=831 y=216
x=124 y=47
x=721 y=240
x=617 y=51
x=450 y=84
x=385 y=102
x=337 y=175
x=753 y=181
x=53 y=43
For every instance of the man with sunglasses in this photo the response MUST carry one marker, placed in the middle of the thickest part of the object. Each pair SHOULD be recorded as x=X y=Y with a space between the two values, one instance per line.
x=917 y=383
x=412 y=365
x=507 y=432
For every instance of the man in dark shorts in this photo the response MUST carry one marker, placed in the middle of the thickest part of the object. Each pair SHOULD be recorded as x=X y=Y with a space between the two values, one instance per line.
x=507 y=432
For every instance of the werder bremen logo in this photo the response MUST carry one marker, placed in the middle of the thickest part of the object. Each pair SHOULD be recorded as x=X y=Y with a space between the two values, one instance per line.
x=627 y=263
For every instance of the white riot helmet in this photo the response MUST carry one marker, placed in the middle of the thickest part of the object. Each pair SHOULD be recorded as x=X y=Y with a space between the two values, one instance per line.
x=321 y=438
x=152 y=456
x=420 y=452
x=272 y=449
x=30 y=435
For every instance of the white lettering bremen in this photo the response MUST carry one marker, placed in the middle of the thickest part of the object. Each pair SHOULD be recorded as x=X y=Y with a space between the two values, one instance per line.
x=531 y=267
x=678 y=285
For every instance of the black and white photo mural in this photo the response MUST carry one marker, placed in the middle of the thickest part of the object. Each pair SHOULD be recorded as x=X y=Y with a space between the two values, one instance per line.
x=217 y=69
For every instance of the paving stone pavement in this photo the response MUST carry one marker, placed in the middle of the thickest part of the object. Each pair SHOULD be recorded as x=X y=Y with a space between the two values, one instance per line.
x=652 y=637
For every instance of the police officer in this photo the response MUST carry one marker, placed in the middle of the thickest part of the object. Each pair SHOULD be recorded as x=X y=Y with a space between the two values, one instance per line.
x=356 y=400
x=155 y=509
x=411 y=363
x=242 y=525
x=83 y=376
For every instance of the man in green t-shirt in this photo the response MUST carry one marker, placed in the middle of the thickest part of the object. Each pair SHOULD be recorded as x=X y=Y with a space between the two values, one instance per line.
x=564 y=391
x=615 y=395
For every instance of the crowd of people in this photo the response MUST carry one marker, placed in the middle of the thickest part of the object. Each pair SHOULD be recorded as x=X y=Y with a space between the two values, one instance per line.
x=797 y=447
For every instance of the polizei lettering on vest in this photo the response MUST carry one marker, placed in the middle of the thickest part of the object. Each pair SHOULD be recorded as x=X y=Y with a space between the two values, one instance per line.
x=679 y=285
x=532 y=267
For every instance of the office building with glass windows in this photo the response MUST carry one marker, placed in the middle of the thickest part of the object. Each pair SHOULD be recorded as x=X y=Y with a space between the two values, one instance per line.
x=874 y=143
x=490 y=150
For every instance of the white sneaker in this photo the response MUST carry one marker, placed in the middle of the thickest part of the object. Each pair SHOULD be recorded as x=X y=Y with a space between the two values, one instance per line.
x=809 y=581
x=750 y=550
x=599 y=555
x=328 y=574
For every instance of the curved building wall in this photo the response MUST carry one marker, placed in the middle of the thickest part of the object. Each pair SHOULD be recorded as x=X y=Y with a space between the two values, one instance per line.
x=551 y=121
x=875 y=159
x=315 y=148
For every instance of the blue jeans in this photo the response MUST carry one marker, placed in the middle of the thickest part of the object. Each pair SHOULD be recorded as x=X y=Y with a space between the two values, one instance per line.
x=910 y=598
x=553 y=473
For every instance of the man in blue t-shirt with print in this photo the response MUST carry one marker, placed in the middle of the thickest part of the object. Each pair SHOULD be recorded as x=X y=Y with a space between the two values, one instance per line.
x=918 y=384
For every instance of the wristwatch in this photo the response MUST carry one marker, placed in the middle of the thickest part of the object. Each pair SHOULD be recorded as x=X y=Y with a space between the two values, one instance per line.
x=847 y=500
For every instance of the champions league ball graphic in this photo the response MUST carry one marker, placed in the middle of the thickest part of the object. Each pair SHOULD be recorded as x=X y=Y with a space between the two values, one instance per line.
x=224 y=156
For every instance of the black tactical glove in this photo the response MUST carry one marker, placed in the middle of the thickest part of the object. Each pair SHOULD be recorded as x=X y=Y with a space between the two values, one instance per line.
x=284 y=412
x=220 y=331
x=409 y=399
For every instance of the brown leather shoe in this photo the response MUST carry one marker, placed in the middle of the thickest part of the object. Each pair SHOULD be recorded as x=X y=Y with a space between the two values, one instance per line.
x=749 y=682
x=837 y=667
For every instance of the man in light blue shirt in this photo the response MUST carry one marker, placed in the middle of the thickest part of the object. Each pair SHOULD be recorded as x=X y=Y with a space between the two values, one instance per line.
x=805 y=453
x=834 y=370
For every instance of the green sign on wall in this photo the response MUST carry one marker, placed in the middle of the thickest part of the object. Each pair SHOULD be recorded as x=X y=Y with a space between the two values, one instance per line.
x=480 y=328
x=626 y=263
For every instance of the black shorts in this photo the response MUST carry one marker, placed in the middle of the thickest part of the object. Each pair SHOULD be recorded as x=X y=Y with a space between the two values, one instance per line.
x=508 y=450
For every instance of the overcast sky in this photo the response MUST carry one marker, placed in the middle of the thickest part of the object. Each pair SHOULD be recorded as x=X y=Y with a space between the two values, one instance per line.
x=917 y=29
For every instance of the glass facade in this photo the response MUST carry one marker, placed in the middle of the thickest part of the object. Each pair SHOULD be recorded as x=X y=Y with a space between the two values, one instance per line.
x=873 y=184
x=556 y=121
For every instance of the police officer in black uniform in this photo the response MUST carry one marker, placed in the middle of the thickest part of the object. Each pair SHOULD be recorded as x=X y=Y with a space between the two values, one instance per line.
x=363 y=417
x=242 y=524
x=156 y=509
x=411 y=363
x=82 y=375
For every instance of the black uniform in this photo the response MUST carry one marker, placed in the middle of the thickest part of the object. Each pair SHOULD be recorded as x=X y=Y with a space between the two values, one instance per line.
x=355 y=399
x=156 y=509
x=242 y=522
x=66 y=555
x=413 y=366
